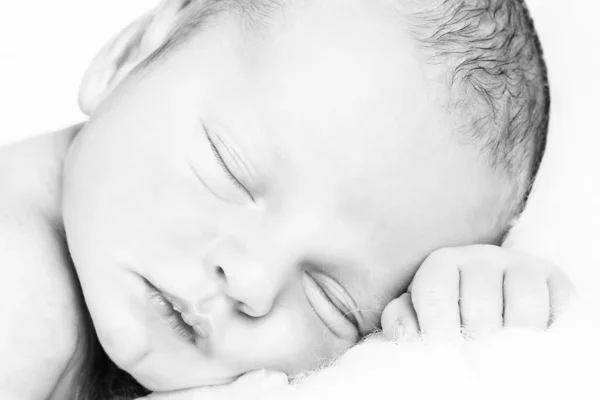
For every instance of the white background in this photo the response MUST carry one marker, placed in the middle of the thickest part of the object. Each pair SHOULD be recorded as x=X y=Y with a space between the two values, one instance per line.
x=45 y=46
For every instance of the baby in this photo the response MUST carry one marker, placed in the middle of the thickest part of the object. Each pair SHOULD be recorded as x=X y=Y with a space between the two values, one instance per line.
x=257 y=182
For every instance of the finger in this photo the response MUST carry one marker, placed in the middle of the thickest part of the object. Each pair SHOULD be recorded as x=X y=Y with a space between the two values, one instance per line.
x=526 y=298
x=263 y=378
x=399 y=320
x=481 y=299
x=249 y=386
x=435 y=295
x=206 y=393
x=561 y=291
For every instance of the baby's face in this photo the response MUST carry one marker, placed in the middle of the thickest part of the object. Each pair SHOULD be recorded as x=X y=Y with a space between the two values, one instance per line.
x=279 y=191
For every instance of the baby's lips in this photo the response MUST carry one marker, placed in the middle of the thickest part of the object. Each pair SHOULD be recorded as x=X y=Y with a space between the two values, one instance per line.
x=202 y=325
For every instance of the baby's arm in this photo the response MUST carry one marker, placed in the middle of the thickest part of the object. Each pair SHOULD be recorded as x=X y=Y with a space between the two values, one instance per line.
x=476 y=290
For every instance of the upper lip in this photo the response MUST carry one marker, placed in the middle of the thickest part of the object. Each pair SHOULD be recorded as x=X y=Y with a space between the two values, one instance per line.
x=200 y=323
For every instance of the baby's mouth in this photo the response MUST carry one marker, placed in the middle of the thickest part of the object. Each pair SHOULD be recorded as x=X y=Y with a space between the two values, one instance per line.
x=171 y=313
x=201 y=327
x=193 y=329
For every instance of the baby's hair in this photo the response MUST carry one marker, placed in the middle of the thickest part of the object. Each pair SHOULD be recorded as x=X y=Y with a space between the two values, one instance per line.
x=498 y=79
x=202 y=14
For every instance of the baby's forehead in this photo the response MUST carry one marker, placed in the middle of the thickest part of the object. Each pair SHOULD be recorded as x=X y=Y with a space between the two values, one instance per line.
x=332 y=98
x=357 y=32
x=333 y=109
x=321 y=72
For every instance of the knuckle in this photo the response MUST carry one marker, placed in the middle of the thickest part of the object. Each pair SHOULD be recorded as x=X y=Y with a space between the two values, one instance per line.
x=443 y=256
x=527 y=308
x=480 y=310
x=525 y=269
x=437 y=263
x=431 y=296
x=529 y=301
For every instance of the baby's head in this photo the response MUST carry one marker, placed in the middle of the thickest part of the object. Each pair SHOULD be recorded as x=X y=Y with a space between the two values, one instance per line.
x=277 y=170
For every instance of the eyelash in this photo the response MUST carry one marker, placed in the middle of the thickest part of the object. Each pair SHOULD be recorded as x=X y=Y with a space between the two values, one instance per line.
x=347 y=315
x=225 y=169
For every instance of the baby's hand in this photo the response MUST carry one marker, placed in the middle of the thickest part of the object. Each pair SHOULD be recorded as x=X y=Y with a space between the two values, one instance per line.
x=476 y=290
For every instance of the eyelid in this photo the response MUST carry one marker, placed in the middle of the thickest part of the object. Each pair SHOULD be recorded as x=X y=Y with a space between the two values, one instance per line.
x=311 y=282
x=346 y=302
x=223 y=165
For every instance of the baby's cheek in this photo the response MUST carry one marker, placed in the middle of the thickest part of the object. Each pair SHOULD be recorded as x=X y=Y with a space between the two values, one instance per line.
x=122 y=335
x=292 y=341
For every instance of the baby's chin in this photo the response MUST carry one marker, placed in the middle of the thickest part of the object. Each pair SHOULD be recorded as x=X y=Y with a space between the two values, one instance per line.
x=159 y=380
x=198 y=383
x=159 y=370
x=159 y=360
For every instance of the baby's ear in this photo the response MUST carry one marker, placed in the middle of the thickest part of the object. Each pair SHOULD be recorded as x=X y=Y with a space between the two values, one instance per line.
x=126 y=50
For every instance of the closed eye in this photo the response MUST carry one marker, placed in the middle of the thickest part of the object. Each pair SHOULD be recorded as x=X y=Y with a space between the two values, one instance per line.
x=224 y=166
x=336 y=317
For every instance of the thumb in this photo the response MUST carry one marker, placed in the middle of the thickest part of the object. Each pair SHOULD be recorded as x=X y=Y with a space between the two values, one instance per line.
x=399 y=320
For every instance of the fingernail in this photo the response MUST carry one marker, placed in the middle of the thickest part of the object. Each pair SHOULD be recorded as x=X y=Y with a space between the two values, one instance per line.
x=399 y=331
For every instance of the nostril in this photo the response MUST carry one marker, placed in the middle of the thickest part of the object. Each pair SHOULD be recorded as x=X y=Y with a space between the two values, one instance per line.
x=246 y=311
x=220 y=273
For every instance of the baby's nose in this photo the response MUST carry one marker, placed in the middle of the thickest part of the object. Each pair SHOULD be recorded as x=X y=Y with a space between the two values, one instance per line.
x=251 y=287
x=252 y=273
x=212 y=297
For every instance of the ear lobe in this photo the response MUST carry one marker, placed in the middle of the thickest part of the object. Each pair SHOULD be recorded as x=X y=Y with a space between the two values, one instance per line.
x=125 y=51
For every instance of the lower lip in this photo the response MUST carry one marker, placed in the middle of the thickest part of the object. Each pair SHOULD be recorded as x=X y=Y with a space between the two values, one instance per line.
x=165 y=309
x=196 y=339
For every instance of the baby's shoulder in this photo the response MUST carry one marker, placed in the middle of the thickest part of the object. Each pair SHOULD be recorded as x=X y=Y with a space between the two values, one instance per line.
x=38 y=305
x=31 y=170
x=39 y=299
